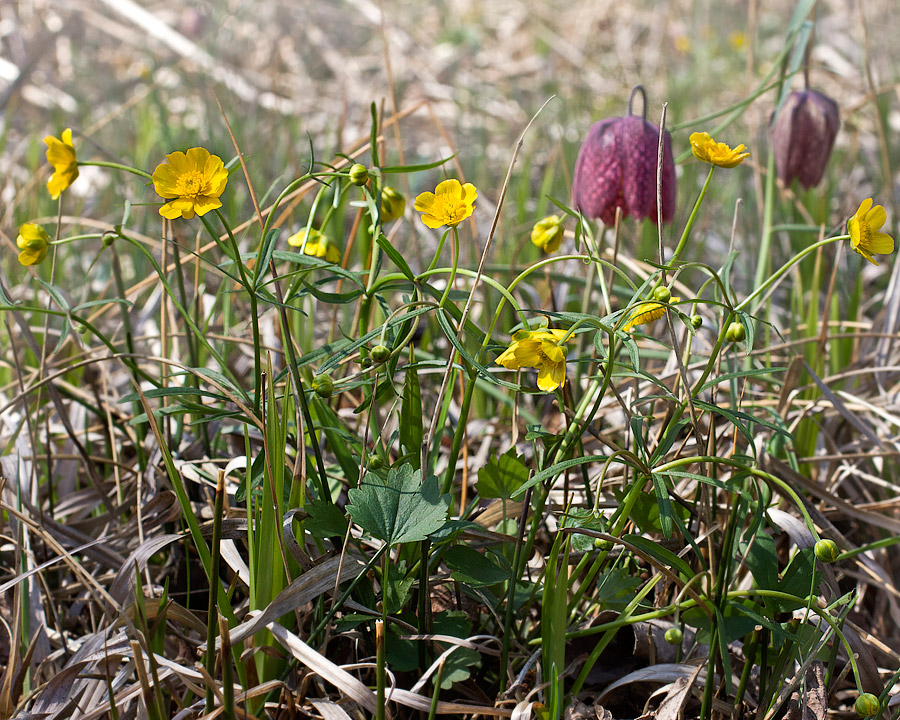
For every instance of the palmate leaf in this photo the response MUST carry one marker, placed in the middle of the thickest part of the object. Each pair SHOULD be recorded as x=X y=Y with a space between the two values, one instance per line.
x=401 y=508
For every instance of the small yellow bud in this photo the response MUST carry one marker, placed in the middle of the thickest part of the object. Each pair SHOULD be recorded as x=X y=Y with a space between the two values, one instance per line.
x=547 y=233
x=392 y=204
x=867 y=705
x=735 y=332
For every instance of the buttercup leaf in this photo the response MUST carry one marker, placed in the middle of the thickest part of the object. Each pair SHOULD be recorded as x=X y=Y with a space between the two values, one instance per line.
x=401 y=508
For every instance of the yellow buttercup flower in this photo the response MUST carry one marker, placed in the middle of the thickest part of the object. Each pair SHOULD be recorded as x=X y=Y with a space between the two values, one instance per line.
x=538 y=349
x=61 y=155
x=193 y=180
x=864 y=229
x=648 y=312
x=34 y=242
x=317 y=245
x=547 y=233
x=449 y=204
x=716 y=153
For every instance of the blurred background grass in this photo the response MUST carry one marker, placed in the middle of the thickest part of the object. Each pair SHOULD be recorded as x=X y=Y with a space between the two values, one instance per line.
x=136 y=80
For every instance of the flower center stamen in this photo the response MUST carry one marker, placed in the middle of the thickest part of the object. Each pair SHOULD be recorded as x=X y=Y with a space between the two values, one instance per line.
x=190 y=183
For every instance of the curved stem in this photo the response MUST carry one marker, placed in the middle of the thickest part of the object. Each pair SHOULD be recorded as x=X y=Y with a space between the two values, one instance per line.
x=116 y=166
x=787 y=266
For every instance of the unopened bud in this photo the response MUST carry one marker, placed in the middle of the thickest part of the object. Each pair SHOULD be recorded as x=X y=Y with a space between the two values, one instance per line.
x=392 y=204
x=674 y=636
x=547 y=233
x=867 y=705
x=826 y=551
x=323 y=386
x=359 y=175
x=735 y=332
x=380 y=353
x=662 y=293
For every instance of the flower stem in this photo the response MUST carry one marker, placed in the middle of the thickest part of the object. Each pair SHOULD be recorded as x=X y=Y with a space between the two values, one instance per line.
x=787 y=266
x=116 y=166
x=690 y=223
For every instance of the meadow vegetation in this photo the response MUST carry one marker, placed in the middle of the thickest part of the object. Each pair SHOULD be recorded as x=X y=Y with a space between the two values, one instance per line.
x=349 y=370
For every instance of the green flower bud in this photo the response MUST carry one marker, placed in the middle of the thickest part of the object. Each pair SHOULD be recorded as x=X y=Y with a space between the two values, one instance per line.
x=674 y=636
x=323 y=386
x=867 y=705
x=359 y=175
x=376 y=462
x=826 y=550
x=602 y=544
x=392 y=204
x=380 y=353
x=735 y=332
x=696 y=321
x=662 y=294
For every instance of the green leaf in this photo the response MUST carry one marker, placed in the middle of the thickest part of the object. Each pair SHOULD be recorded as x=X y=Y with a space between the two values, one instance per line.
x=762 y=561
x=502 y=476
x=394 y=255
x=616 y=589
x=325 y=519
x=400 y=508
x=458 y=667
x=473 y=568
x=396 y=588
x=645 y=513
x=415 y=168
x=583 y=518
x=655 y=550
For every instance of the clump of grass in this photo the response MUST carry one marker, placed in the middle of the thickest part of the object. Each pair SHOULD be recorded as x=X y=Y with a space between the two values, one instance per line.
x=316 y=444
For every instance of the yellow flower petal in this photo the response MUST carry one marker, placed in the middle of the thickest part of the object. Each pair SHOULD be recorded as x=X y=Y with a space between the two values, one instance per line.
x=193 y=180
x=863 y=229
x=34 y=242
x=538 y=349
x=716 y=153
x=551 y=376
x=61 y=155
x=449 y=204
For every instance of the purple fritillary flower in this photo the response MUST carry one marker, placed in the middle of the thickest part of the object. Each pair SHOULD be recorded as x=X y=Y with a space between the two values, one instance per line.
x=617 y=166
x=803 y=136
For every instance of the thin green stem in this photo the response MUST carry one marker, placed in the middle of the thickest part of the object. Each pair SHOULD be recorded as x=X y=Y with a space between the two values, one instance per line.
x=693 y=216
x=116 y=166
x=784 y=268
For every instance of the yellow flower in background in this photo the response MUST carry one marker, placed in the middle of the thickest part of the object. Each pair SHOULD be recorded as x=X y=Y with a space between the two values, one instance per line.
x=449 y=204
x=864 y=229
x=648 y=312
x=34 y=242
x=317 y=245
x=538 y=349
x=392 y=204
x=547 y=233
x=737 y=39
x=716 y=153
x=61 y=155
x=193 y=181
